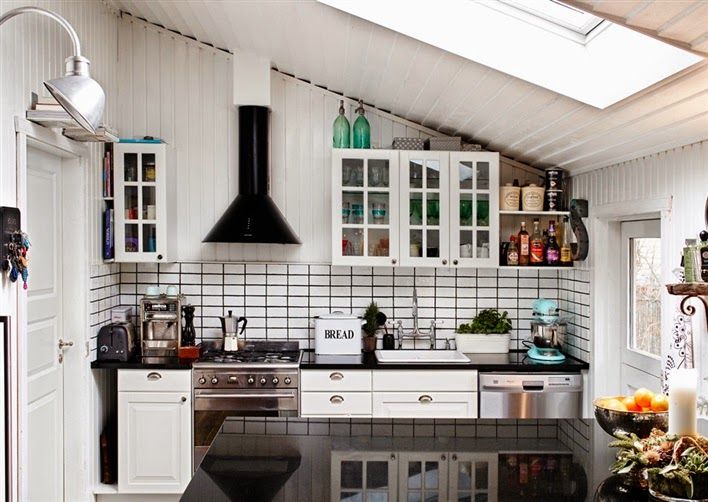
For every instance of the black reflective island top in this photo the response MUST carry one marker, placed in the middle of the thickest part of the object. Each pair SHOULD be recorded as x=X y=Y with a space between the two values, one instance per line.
x=297 y=468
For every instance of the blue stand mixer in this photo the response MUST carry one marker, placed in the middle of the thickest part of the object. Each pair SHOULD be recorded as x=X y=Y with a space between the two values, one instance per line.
x=548 y=331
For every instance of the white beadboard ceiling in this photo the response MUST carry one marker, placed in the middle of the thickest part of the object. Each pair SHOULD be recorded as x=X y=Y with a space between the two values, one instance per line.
x=440 y=90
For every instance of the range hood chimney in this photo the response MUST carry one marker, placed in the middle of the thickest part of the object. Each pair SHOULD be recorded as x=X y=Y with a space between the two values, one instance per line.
x=253 y=216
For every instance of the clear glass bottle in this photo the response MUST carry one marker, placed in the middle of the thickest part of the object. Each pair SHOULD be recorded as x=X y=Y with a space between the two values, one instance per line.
x=536 y=244
x=361 y=131
x=341 y=129
x=566 y=251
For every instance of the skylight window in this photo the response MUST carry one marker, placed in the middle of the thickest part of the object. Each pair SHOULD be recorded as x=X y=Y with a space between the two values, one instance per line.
x=540 y=41
x=557 y=13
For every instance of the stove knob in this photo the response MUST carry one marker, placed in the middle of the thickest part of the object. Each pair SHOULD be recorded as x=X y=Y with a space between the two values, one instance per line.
x=287 y=380
x=275 y=380
x=202 y=380
x=263 y=381
x=104 y=348
x=214 y=380
x=233 y=379
x=251 y=380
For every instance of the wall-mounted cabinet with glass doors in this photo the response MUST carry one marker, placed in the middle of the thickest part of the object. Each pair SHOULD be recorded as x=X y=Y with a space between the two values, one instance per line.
x=415 y=208
x=142 y=216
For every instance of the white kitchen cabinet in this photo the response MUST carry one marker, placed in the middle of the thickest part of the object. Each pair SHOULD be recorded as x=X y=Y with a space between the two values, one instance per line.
x=144 y=203
x=425 y=210
x=423 y=476
x=474 y=476
x=360 y=476
x=474 y=209
x=154 y=431
x=365 y=207
x=424 y=404
x=335 y=393
x=415 y=208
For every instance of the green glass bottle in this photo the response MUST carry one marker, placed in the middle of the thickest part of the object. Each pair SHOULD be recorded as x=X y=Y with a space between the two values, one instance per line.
x=340 y=129
x=361 y=129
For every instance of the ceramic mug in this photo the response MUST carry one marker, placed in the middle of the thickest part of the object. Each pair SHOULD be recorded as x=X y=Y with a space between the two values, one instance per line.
x=466 y=251
x=172 y=291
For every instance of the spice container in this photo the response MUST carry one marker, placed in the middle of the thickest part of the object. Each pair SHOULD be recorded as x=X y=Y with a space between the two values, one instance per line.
x=509 y=197
x=532 y=198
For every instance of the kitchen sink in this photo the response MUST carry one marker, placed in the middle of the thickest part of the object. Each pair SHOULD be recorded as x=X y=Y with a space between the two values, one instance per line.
x=420 y=356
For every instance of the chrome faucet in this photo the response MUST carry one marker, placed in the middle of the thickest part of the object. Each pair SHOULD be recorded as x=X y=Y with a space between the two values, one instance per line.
x=416 y=332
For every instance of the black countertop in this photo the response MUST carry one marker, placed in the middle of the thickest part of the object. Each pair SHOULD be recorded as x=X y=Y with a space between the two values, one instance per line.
x=296 y=468
x=136 y=363
x=514 y=361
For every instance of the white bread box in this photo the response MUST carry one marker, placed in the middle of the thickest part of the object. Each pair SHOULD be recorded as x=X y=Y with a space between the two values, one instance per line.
x=338 y=333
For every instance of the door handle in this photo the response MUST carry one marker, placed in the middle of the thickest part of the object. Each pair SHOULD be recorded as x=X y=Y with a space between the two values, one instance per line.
x=65 y=344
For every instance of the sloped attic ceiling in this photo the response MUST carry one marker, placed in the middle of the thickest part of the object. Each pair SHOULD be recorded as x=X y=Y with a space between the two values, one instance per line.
x=440 y=90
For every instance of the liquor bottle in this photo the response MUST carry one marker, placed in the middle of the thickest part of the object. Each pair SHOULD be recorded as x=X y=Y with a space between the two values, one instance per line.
x=524 y=247
x=552 y=250
x=361 y=129
x=512 y=253
x=566 y=252
x=340 y=129
x=536 y=255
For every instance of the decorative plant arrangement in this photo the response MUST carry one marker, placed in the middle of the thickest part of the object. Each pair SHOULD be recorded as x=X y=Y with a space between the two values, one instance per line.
x=489 y=332
x=675 y=466
x=488 y=321
x=371 y=325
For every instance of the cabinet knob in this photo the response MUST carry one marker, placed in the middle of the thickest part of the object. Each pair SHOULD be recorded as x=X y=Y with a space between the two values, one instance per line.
x=184 y=399
x=454 y=457
x=454 y=262
x=393 y=456
x=444 y=262
x=443 y=457
x=159 y=257
x=394 y=261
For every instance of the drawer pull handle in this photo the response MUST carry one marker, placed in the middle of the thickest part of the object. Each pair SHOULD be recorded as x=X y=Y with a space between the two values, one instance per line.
x=425 y=399
x=336 y=399
x=153 y=375
x=336 y=376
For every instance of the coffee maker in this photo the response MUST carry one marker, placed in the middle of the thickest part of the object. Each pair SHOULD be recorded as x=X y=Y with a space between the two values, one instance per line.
x=161 y=327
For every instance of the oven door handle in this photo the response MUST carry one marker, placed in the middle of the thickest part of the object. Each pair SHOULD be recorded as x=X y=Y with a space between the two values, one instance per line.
x=231 y=396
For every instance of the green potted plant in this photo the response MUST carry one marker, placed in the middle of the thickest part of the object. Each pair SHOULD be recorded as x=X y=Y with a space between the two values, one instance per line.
x=370 y=327
x=488 y=333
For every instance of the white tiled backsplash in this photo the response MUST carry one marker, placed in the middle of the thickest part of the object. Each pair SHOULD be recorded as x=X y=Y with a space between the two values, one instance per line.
x=280 y=300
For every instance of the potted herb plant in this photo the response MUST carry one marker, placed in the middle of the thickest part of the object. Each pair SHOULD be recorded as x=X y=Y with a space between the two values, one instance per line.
x=370 y=327
x=488 y=333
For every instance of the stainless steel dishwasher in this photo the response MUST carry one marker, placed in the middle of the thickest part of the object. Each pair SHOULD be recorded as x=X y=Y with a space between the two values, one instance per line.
x=530 y=395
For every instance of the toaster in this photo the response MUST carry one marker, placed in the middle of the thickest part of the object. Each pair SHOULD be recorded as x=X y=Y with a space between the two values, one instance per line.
x=116 y=342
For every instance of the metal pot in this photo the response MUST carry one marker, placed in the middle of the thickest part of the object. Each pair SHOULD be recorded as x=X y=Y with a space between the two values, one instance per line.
x=548 y=335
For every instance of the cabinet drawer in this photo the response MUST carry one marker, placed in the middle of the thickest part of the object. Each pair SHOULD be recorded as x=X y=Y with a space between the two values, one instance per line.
x=331 y=404
x=335 y=380
x=430 y=380
x=154 y=380
x=425 y=404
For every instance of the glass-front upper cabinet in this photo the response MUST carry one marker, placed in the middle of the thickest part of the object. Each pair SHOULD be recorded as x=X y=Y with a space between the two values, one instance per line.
x=363 y=476
x=423 y=477
x=140 y=202
x=474 y=477
x=474 y=209
x=365 y=207
x=424 y=223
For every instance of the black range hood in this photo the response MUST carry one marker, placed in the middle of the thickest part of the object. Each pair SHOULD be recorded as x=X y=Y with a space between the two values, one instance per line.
x=253 y=216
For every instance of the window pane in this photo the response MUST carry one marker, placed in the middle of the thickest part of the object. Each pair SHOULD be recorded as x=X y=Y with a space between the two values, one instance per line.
x=646 y=295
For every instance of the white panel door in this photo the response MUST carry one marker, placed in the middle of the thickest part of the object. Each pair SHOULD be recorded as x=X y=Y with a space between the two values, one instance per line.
x=154 y=442
x=45 y=434
x=423 y=476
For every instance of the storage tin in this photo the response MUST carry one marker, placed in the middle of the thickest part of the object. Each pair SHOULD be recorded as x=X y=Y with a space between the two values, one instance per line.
x=509 y=197
x=554 y=178
x=553 y=200
x=338 y=333
x=532 y=198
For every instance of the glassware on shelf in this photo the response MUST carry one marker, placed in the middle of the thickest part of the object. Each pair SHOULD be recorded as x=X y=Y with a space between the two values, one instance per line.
x=341 y=129
x=482 y=210
x=357 y=214
x=465 y=212
x=416 y=211
x=346 y=212
x=149 y=167
x=362 y=129
x=130 y=167
x=433 y=213
x=378 y=211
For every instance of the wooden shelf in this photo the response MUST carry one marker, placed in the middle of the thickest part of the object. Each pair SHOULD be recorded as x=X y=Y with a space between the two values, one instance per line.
x=536 y=213
x=688 y=288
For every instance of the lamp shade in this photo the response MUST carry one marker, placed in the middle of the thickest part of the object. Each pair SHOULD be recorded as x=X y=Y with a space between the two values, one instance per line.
x=81 y=96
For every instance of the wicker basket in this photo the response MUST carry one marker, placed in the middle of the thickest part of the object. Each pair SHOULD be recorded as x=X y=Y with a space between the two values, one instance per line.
x=408 y=143
x=451 y=144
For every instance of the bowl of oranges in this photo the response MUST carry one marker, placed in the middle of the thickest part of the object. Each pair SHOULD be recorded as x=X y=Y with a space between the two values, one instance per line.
x=637 y=414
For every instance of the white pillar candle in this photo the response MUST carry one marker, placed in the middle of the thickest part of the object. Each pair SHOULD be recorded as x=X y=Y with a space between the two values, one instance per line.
x=682 y=402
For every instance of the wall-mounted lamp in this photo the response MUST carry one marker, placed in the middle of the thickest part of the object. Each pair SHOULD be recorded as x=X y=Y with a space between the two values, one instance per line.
x=80 y=95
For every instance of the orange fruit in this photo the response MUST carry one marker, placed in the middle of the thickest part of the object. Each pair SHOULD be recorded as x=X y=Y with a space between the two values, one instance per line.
x=631 y=404
x=660 y=403
x=643 y=397
x=615 y=404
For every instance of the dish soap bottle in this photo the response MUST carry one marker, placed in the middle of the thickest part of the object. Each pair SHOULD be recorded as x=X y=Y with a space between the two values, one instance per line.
x=340 y=129
x=361 y=130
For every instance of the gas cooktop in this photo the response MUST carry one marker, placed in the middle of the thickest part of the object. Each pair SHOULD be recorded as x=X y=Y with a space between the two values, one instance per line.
x=270 y=354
